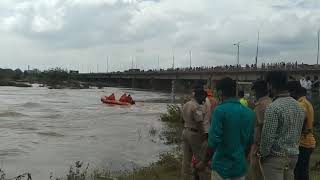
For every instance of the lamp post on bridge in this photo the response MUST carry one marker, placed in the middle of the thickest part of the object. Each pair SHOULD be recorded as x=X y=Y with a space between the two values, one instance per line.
x=238 y=59
x=173 y=87
x=172 y=59
x=238 y=52
x=107 y=64
x=190 y=56
x=318 y=46
x=257 y=52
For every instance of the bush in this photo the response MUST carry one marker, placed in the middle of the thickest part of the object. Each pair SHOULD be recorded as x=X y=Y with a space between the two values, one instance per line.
x=171 y=133
x=173 y=114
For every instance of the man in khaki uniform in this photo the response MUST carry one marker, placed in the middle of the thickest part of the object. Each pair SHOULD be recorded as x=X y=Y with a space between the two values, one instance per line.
x=193 y=134
x=263 y=100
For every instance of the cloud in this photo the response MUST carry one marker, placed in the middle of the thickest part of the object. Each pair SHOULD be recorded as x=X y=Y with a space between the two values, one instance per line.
x=77 y=33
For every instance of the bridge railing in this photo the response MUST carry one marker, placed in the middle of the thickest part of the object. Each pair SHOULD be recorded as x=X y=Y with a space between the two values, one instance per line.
x=214 y=70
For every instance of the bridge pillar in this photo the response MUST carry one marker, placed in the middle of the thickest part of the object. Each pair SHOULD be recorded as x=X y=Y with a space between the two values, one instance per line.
x=173 y=89
x=151 y=82
x=133 y=83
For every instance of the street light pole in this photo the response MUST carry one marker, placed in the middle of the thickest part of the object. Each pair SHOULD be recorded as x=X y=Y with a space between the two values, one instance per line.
x=172 y=59
x=190 y=59
x=159 y=63
x=132 y=62
x=257 y=53
x=107 y=64
x=238 y=59
x=238 y=53
x=318 y=46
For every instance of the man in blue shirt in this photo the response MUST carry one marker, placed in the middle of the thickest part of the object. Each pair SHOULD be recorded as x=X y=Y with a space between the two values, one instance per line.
x=230 y=134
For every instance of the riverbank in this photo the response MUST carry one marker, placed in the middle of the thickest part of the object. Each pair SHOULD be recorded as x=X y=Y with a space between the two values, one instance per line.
x=168 y=167
x=14 y=84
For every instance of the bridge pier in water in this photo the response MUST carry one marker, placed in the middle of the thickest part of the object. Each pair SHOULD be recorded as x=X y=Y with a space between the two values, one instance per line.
x=133 y=83
x=173 y=91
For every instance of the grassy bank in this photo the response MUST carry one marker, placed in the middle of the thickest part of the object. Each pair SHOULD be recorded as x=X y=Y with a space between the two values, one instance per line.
x=169 y=168
x=166 y=168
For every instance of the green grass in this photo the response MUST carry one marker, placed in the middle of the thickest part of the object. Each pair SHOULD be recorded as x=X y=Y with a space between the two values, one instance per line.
x=167 y=168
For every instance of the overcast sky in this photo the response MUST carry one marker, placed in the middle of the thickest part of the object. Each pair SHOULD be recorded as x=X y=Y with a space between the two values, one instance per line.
x=81 y=34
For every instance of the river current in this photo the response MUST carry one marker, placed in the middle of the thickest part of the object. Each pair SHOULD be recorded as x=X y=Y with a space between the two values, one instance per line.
x=44 y=131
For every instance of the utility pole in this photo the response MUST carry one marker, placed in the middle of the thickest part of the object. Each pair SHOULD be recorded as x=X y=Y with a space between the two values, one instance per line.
x=159 y=62
x=136 y=62
x=107 y=64
x=318 y=46
x=172 y=59
x=237 y=75
x=238 y=53
x=132 y=62
x=190 y=55
x=257 y=53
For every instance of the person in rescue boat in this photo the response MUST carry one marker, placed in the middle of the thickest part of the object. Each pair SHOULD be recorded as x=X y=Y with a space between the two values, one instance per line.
x=111 y=97
x=130 y=100
x=123 y=98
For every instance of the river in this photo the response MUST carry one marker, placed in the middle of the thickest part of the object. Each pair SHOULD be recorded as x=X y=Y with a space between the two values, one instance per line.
x=44 y=131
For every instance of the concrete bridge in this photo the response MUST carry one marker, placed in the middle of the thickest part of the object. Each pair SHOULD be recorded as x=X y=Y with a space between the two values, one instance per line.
x=182 y=79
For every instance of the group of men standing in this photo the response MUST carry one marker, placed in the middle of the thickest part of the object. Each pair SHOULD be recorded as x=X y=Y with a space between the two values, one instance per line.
x=274 y=141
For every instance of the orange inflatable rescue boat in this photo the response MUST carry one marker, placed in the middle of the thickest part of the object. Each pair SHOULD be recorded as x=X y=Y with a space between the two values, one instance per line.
x=105 y=100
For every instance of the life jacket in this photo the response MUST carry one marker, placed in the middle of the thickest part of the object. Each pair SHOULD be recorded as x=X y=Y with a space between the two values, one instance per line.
x=123 y=98
x=111 y=97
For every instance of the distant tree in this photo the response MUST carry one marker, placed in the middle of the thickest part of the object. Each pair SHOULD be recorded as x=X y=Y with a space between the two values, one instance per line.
x=18 y=74
x=7 y=74
x=56 y=74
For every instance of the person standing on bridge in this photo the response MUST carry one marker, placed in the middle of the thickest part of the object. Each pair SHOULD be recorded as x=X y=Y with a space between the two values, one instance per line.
x=193 y=135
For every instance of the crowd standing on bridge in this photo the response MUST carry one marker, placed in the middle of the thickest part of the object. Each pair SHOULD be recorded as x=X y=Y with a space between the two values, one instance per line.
x=246 y=67
x=269 y=140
